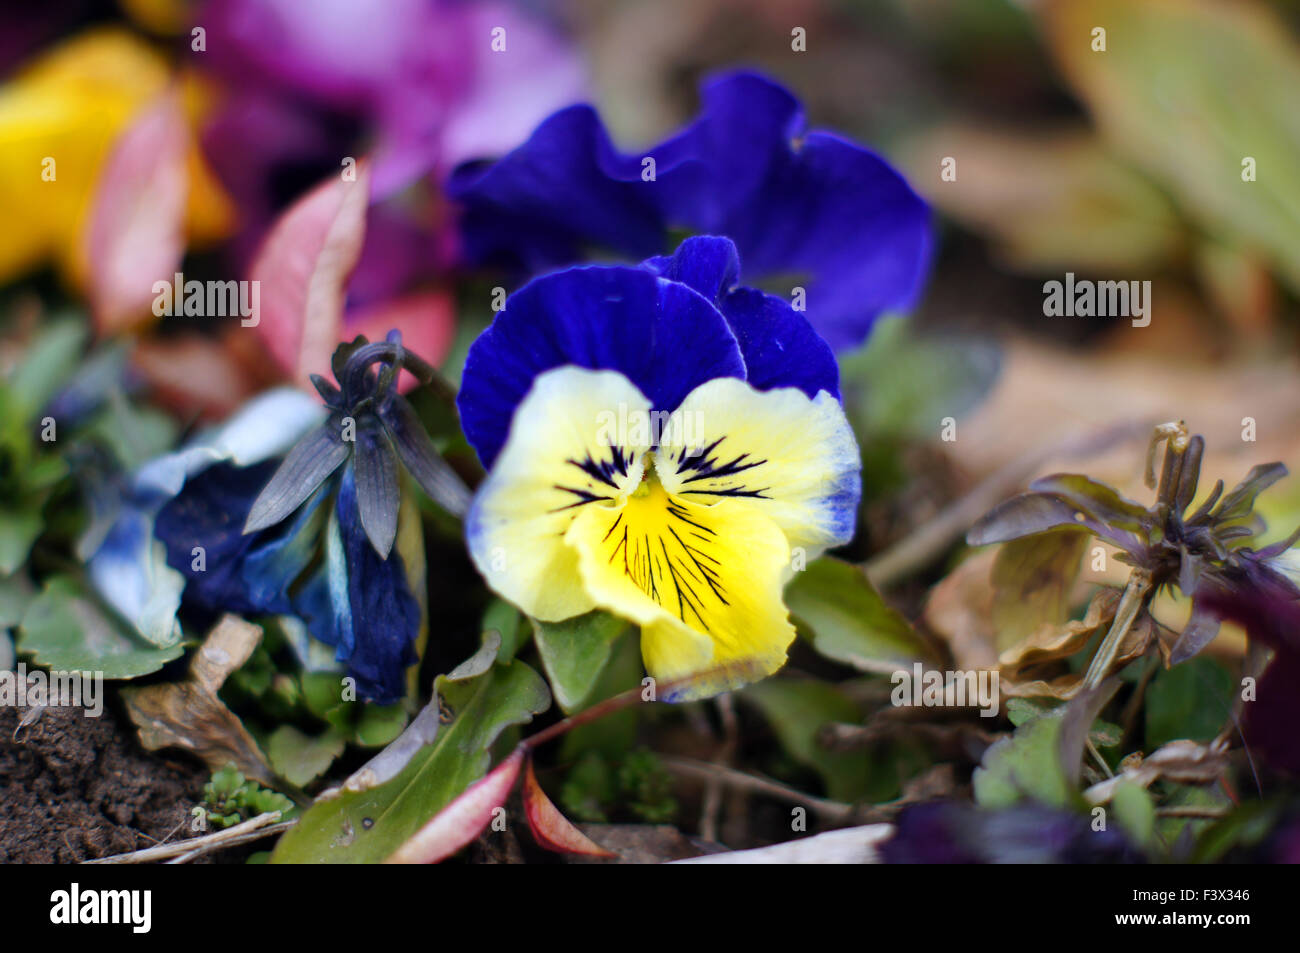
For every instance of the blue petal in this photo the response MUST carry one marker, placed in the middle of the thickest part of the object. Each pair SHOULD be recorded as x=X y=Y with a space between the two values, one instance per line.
x=779 y=346
x=565 y=187
x=133 y=577
x=385 y=616
x=709 y=265
x=661 y=335
x=808 y=208
x=322 y=602
x=209 y=512
x=281 y=554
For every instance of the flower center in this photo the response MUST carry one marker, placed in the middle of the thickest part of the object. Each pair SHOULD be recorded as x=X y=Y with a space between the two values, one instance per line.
x=649 y=477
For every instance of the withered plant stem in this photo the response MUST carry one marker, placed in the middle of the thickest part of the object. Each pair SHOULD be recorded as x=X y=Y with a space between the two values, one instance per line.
x=1131 y=603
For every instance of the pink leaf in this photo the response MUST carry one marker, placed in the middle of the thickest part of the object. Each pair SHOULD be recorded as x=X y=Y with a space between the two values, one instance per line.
x=136 y=233
x=552 y=829
x=427 y=321
x=461 y=821
x=302 y=269
x=193 y=375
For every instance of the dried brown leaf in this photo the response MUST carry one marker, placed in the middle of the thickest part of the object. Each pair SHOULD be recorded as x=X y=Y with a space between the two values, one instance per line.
x=1022 y=667
x=191 y=716
x=1032 y=578
x=960 y=611
x=1183 y=762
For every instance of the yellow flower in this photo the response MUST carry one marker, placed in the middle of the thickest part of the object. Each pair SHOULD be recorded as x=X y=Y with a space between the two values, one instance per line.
x=655 y=482
x=59 y=119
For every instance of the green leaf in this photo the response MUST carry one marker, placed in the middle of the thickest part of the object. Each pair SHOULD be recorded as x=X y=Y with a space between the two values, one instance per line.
x=797 y=709
x=1191 y=700
x=902 y=384
x=367 y=826
x=16 y=594
x=46 y=365
x=380 y=724
x=588 y=793
x=323 y=695
x=1186 y=91
x=1026 y=765
x=646 y=787
x=1041 y=760
x=1247 y=825
x=849 y=622
x=503 y=618
x=18 y=530
x=575 y=652
x=1173 y=830
x=1021 y=710
x=615 y=734
x=1103 y=734
x=67 y=631
x=301 y=758
x=1135 y=811
x=134 y=434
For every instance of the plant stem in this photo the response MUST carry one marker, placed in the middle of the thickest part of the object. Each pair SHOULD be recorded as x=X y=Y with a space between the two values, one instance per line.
x=708 y=771
x=1135 y=597
x=255 y=827
x=1096 y=756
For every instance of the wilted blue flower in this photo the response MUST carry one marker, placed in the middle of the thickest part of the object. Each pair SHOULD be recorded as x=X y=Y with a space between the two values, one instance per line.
x=662 y=445
x=126 y=563
x=809 y=207
x=313 y=537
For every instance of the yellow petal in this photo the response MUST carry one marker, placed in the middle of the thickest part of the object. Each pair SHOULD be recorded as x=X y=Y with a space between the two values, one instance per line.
x=792 y=457
x=548 y=472
x=59 y=118
x=704 y=583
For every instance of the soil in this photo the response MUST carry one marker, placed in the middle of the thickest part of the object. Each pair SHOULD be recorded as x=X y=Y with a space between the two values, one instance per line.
x=74 y=788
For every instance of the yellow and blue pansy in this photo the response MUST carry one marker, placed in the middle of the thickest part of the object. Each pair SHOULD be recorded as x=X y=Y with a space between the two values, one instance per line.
x=664 y=445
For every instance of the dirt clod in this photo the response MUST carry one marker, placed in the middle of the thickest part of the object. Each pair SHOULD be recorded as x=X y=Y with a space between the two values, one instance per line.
x=74 y=788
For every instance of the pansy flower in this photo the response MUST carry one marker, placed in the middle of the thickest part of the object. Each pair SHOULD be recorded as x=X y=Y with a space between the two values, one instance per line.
x=313 y=534
x=664 y=445
x=808 y=209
